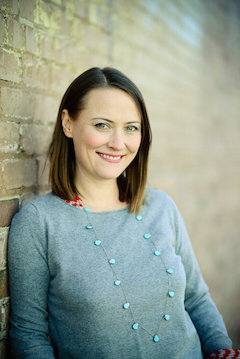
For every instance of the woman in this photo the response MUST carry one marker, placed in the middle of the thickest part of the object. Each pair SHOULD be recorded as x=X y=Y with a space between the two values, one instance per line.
x=101 y=265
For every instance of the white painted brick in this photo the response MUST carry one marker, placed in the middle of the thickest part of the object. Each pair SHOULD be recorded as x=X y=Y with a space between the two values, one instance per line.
x=9 y=137
x=36 y=138
x=43 y=171
x=31 y=40
x=43 y=13
x=18 y=35
x=36 y=73
x=98 y=14
x=3 y=246
x=46 y=46
x=27 y=8
x=59 y=50
x=60 y=79
x=46 y=107
x=2 y=29
x=17 y=102
x=28 y=196
x=57 y=2
x=15 y=7
x=9 y=66
x=19 y=173
x=80 y=8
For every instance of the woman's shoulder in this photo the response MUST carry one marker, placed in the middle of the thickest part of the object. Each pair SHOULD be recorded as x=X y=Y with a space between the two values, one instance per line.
x=160 y=203
x=156 y=197
x=47 y=199
x=45 y=204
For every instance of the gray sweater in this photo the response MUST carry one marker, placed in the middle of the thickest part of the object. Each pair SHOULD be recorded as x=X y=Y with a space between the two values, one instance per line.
x=61 y=283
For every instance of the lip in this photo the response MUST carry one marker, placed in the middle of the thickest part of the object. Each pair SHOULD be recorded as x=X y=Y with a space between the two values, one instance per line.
x=108 y=157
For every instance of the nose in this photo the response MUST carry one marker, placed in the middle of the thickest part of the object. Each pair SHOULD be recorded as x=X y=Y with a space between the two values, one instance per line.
x=117 y=141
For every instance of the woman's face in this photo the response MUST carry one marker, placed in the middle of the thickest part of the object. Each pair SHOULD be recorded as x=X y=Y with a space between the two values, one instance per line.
x=106 y=135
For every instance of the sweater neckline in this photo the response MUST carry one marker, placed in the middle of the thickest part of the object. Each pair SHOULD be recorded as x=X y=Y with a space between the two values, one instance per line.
x=78 y=203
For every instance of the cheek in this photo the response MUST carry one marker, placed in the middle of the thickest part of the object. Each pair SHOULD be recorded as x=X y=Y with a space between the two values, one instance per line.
x=93 y=140
x=134 y=144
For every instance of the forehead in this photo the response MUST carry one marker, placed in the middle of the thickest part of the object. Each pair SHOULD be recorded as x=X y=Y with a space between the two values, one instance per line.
x=111 y=101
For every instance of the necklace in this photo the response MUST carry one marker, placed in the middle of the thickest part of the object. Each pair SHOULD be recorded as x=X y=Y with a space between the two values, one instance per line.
x=117 y=282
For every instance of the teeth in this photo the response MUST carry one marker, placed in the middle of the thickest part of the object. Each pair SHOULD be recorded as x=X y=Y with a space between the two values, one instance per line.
x=110 y=157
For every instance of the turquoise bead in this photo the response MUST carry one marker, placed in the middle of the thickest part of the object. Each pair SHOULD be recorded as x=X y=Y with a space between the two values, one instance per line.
x=171 y=294
x=166 y=317
x=87 y=209
x=117 y=282
x=147 y=235
x=135 y=326
x=112 y=261
x=138 y=218
x=170 y=271
x=157 y=253
x=126 y=305
x=156 y=338
x=97 y=242
x=89 y=227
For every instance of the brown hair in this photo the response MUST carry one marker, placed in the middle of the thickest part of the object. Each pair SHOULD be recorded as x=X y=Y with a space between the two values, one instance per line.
x=132 y=182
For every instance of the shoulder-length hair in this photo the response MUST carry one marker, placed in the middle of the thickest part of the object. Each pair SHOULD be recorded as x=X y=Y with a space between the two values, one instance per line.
x=132 y=182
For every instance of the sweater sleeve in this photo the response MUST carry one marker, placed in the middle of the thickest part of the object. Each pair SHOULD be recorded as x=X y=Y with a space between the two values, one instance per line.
x=29 y=282
x=198 y=303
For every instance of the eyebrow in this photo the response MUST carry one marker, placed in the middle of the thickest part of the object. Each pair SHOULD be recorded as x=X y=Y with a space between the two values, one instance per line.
x=106 y=119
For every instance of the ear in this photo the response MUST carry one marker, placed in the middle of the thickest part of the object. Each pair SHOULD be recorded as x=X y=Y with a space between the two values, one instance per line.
x=66 y=123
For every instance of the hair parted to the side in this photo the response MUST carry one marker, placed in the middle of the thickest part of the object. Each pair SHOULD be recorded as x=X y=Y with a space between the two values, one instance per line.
x=132 y=183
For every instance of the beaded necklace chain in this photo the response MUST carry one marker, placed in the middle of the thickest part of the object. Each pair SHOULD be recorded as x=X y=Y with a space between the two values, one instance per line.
x=118 y=282
x=220 y=353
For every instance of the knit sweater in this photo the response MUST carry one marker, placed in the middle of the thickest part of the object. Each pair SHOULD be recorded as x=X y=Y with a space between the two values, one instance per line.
x=62 y=285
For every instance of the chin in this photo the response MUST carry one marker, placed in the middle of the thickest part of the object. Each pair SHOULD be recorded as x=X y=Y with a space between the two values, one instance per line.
x=111 y=176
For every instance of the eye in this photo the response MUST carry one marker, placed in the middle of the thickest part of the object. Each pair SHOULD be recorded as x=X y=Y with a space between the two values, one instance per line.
x=132 y=128
x=102 y=126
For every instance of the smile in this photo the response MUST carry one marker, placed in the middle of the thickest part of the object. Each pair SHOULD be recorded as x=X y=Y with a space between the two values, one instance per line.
x=110 y=158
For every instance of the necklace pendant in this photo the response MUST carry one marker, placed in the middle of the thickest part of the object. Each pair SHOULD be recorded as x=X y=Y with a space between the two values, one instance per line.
x=157 y=253
x=87 y=209
x=135 y=326
x=147 y=235
x=126 y=305
x=138 y=218
x=89 y=227
x=117 y=282
x=170 y=271
x=166 y=317
x=111 y=261
x=156 y=338
x=171 y=294
x=97 y=242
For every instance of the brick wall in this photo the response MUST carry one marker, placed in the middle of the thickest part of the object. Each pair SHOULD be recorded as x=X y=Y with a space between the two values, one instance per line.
x=185 y=57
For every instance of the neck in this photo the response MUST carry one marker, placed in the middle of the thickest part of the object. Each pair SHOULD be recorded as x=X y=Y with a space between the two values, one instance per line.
x=100 y=196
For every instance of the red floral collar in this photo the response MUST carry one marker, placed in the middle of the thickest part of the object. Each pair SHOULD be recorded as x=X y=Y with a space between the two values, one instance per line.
x=77 y=202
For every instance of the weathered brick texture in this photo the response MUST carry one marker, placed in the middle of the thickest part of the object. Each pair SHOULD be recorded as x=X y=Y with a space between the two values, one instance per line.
x=9 y=137
x=4 y=315
x=4 y=284
x=184 y=56
x=18 y=173
x=10 y=66
x=8 y=208
x=3 y=247
x=17 y=103
x=4 y=325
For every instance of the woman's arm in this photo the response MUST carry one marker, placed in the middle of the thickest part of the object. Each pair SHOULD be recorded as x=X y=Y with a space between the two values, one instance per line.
x=29 y=279
x=198 y=303
x=225 y=353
